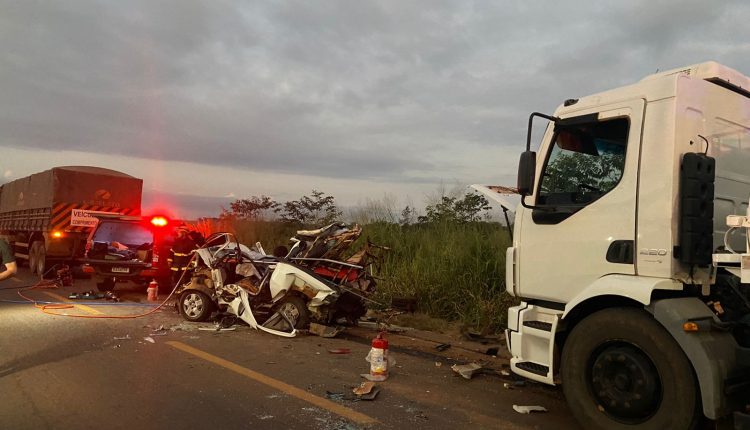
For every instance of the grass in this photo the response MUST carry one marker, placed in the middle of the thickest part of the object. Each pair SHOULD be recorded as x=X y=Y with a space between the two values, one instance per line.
x=454 y=271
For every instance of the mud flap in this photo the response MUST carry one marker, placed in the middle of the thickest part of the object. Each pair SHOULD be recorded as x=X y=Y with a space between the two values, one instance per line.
x=240 y=306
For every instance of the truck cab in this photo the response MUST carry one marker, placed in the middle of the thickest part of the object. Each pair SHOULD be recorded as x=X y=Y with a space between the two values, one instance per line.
x=623 y=206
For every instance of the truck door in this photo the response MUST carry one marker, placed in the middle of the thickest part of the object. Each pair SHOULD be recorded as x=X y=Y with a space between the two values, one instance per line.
x=583 y=224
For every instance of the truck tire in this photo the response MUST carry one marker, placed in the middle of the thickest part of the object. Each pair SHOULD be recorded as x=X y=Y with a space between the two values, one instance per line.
x=37 y=258
x=622 y=370
x=32 y=258
x=41 y=260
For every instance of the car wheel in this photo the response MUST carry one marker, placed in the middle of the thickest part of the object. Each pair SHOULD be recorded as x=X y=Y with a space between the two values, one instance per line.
x=294 y=310
x=107 y=284
x=621 y=369
x=195 y=305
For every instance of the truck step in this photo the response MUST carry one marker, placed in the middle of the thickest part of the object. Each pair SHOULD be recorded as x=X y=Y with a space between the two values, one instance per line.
x=536 y=368
x=539 y=325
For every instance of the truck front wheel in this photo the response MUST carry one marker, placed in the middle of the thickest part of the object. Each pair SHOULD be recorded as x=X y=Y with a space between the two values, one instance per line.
x=622 y=370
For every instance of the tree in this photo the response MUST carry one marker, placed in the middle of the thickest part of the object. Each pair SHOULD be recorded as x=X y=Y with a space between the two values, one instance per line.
x=569 y=172
x=452 y=209
x=315 y=209
x=407 y=215
x=253 y=208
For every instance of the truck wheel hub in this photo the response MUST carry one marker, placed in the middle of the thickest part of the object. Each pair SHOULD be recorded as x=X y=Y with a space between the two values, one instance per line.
x=625 y=383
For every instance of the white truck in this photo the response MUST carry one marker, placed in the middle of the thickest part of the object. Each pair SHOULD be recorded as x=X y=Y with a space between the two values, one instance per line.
x=630 y=284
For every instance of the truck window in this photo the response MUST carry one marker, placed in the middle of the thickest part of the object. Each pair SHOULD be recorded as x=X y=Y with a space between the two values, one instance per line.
x=585 y=163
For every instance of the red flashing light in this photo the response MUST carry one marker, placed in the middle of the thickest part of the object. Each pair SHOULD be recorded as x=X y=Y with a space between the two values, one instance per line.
x=159 y=221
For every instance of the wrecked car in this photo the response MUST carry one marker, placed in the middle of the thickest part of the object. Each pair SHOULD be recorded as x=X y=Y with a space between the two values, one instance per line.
x=281 y=294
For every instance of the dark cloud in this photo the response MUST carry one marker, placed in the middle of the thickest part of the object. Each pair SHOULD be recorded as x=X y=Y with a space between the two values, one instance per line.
x=385 y=91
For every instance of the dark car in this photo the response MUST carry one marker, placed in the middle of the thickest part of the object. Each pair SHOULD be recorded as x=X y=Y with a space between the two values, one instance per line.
x=123 y=249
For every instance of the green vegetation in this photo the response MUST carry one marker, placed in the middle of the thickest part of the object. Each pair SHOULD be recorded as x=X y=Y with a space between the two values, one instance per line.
x=452 y=263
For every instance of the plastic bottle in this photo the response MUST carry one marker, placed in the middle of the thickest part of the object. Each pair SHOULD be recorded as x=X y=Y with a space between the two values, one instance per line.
x=378 y=359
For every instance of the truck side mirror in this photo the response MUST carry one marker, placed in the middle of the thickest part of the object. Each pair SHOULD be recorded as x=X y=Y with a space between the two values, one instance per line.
x=526 y=171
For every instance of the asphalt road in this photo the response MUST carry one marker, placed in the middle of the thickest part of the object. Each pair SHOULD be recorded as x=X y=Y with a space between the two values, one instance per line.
x=62 y=372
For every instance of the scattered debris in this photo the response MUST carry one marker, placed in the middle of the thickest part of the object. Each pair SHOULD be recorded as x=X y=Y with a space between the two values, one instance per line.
x=443 y=346
x=334 y=396
x=481 y=338
x=371 y=395
x=217 y=328
x=265 y=417
x=492 y=351
x=369 y=377
x=504 y=372
x=466 y=370
x=149 y=339
x=512 y=385
x=160 y=333
x=438 y=364
x=340 y=351
x=528 y=409
x=363 y=388
x=126 y=337
x=324 y=330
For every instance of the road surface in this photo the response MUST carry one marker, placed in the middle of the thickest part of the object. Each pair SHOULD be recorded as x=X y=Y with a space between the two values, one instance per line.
x=62 y=372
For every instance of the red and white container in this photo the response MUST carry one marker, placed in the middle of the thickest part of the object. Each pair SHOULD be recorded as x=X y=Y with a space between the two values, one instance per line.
x=153 y=291
x=378 y=358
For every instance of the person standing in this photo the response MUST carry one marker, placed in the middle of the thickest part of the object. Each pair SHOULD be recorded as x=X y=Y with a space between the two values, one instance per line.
x=9 y=266
x=179 y=254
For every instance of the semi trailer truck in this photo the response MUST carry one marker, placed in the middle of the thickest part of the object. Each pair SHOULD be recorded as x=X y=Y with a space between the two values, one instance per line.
x=47 y=217
x=629 y=249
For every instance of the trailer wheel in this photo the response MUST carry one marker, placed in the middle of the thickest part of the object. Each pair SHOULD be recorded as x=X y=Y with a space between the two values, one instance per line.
x=37 y=258
x=621 y=370
x=41 y=260
x=32 y=258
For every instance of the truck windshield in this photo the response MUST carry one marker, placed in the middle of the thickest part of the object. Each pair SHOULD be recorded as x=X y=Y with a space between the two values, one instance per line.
x=586 y=161
x=131 y=234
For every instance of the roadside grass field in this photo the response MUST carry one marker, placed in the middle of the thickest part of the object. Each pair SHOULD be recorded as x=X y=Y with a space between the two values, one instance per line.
x=454 y=271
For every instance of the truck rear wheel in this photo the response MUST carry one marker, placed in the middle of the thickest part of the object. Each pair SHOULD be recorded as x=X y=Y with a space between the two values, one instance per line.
x=622 y=370
x=37 y=258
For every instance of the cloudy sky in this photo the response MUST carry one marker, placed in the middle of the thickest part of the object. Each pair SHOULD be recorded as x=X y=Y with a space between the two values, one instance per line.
x=210 y=101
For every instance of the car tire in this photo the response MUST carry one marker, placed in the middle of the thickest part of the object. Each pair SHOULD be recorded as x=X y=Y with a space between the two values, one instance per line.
x=195 y=305
x=295 y=309
x=107 y=284
x=622 y=370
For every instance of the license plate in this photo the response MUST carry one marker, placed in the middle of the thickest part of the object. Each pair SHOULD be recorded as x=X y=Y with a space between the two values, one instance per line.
x=120 y=270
